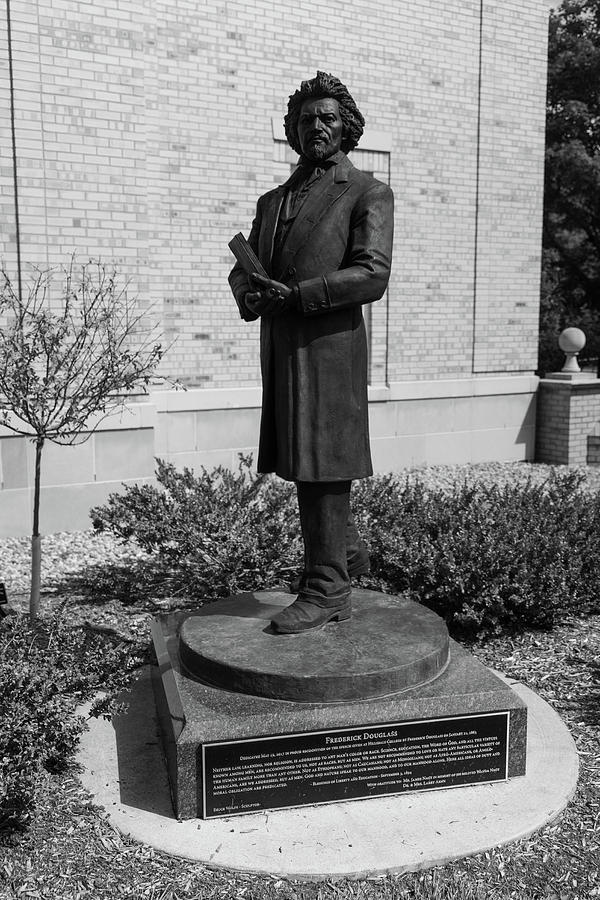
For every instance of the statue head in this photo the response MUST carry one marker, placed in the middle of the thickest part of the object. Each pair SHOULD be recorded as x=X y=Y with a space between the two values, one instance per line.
x=321 y=87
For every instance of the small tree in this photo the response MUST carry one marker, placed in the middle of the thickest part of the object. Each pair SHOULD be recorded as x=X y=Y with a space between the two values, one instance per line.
x=66 y=365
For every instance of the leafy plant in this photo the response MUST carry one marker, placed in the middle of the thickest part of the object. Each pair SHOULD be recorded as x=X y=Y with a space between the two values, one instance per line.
x=215 y=533
x=486 y=558
x=46 y=670
x=65 y=366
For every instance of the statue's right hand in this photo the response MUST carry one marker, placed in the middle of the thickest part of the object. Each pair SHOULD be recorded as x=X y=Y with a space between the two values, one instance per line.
x=261 y=304
x=254 y=302
x=273 y=299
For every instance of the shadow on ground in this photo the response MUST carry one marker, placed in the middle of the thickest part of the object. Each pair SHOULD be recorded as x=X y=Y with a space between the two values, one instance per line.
x=143 y=583
x=150 y=585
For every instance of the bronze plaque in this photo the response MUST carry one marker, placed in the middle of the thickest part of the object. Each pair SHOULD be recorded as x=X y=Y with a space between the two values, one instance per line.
x=281 y=771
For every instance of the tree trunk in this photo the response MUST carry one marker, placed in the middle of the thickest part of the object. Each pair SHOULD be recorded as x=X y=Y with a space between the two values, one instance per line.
x=36 y=540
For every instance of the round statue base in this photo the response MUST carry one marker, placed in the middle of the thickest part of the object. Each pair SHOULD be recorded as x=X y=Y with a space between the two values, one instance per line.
x=389 y=645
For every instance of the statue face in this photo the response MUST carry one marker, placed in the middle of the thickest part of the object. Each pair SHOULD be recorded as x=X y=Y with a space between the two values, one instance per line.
x=320 y=128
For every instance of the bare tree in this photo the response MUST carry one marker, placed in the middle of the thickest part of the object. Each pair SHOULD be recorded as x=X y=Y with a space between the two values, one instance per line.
x=66 y=364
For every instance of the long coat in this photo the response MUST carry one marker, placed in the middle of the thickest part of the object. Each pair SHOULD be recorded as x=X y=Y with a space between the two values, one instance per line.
x=314 y=424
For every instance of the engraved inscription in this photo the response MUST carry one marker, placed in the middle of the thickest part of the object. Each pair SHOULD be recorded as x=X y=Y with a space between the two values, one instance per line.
x=321 y=767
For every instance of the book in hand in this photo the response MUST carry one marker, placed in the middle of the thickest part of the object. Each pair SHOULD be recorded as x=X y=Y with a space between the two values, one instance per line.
x=246 y=256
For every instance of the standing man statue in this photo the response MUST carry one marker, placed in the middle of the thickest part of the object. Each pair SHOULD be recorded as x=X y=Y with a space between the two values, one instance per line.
x=325 y=237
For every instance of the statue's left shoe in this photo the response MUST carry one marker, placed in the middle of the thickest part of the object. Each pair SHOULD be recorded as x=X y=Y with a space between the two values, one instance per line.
x=303 y=615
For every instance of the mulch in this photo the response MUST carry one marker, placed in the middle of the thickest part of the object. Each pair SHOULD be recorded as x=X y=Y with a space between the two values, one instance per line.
x=72 y=851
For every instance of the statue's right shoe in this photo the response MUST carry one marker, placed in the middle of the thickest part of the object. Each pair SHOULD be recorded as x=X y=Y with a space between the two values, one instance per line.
x=360 y=567
x=302 y=615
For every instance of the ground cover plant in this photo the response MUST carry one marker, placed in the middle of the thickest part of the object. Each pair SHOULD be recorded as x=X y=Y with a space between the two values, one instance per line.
x=69 y=849
x=47 y=669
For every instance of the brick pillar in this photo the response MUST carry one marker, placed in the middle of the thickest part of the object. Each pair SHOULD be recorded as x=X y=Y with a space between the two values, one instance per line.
x=593 y=450
x=568 y=413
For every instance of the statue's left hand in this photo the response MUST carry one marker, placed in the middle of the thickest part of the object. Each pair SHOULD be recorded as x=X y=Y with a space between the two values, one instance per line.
x=272 y=298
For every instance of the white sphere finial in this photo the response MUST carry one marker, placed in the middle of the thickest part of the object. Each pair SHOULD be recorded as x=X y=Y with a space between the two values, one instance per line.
x=571 y=341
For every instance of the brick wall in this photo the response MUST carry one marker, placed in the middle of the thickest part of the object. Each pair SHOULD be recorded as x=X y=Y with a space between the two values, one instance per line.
x=509 y=190
x=553 y=423
x=146 y=129
x=143 y=134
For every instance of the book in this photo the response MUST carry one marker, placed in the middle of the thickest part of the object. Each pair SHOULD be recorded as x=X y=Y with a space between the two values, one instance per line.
x=246 y=256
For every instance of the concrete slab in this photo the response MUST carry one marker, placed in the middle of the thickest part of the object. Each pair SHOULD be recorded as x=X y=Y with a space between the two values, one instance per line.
x=125 y=772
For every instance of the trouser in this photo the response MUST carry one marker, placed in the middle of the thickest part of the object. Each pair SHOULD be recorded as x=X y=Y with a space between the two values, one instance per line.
x=331 y=541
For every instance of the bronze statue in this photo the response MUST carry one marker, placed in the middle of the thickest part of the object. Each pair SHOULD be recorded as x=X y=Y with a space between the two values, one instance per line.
x=325 y=237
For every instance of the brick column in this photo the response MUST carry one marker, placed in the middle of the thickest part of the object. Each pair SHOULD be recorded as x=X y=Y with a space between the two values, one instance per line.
x=568 y=415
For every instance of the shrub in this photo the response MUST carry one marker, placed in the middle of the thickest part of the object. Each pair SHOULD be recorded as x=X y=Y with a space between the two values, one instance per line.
x=46 y=670
x=216 y=533
x=486 y=558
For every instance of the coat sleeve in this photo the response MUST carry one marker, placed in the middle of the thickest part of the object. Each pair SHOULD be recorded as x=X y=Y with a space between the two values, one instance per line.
x=238 y=280
x=365 y=273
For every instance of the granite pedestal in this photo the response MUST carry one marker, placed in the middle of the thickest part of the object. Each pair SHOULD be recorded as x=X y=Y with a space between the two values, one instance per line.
x=234 y=728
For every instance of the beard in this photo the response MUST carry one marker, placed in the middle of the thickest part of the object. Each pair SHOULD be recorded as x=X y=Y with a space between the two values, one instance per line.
x=319 y=151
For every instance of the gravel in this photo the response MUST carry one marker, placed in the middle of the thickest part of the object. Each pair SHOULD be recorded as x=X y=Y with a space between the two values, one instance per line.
x=62 y=553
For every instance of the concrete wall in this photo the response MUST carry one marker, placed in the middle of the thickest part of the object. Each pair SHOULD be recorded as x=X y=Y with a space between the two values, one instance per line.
x=75 y=478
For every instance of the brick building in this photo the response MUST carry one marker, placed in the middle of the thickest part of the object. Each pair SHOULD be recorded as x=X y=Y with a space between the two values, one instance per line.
x=142 y=131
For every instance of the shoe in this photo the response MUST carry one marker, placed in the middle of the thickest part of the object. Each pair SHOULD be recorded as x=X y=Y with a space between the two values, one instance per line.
x=361 y=567
x=302 y=615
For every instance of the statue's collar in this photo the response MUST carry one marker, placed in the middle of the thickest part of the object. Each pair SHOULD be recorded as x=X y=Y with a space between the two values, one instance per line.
x=339 y=160
x=333 y=160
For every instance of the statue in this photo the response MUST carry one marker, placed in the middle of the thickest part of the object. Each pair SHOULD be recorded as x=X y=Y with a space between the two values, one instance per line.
x=325 y=237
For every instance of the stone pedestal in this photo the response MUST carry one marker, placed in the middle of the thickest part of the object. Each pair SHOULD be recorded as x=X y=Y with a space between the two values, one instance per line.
x=388 y=645
x=391 y=705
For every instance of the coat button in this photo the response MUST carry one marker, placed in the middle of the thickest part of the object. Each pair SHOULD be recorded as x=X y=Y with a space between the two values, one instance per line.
x=291 y=271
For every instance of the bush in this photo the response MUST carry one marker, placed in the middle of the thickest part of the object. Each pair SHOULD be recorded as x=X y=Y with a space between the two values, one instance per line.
x=216 y=533
x=486 y=558
x=46 y=670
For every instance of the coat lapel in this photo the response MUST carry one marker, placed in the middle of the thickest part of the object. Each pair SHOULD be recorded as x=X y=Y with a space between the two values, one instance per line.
x=267 y=233
x=312 y=211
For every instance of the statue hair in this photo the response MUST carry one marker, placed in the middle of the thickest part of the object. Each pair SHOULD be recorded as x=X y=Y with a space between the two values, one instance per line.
x=325 y=85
